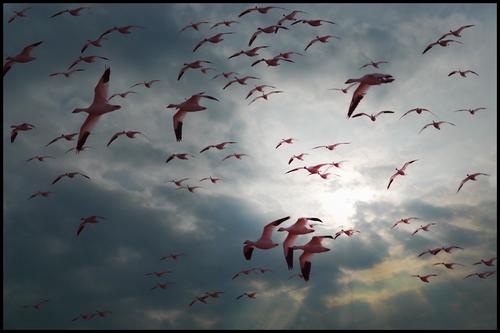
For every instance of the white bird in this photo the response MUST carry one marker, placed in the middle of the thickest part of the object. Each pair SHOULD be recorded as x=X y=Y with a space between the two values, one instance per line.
x=399 y=172
x=365 y=83
x=314 y=246
x=23 y=57
x=264 y=242
x=436 y=125
x=470 y=177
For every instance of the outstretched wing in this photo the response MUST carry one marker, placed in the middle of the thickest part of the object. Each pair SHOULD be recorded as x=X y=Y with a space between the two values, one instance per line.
x=115 y=136
x=391 y=180
x=268 y=229
x=357 y=96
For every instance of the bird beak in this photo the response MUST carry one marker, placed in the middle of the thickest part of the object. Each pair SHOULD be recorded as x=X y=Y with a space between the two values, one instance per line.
x=388 y=78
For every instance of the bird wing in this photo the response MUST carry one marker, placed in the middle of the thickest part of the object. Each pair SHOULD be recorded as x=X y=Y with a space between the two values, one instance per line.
x=252 y=39
x=27 y=50
x=181 y=73
x=101 y=89
x=424 y=128
x=85 y=130
x=379 y=113
x=199 y=44
x=177 y=119
x=246 y=12
x=305 y=264
x=205 y=149
x=236 y=54
x=229 y=83
x=408 y=163
x=391 y=180
x=247 y=252
x=415 y=231
x=360 y=114
x=287 y=244
x=357 y=96
x=430 y=46
x=459 y=30
x=115 y=136
x=59 y=13
x=268 y=229
x=80 y=228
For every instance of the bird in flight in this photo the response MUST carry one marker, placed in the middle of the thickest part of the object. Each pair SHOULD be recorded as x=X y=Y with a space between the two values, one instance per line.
x=189 y=188
x=309 y=249
x=39 y=193
x=129 y=134
x=417 y=110
x=147 y=84
x=39 y=158
x=315 y=169
x=122 y=95
x=451 y=248
x=298 y=157
x=272 y=29
x=162 y=285
x=399 y=172
x=226 y=23
x=463 y=73
x=21 y=13
x=67 y=137
x=488 y=262
x=194 y=65
x=87 y=316
x=423 y=227
x=273 y=62
x=67 y=74
x=249 y=295
x=17 y=128
x=194 y=26
x=199 y=299
x=365 y=82
x=406 y=221
x=374 y=64
x=482 y=275
x=372 y=116
x=214 y=39
x=23 y=57
x=99 y=107
x=264 y=242
x=249 y=53
x=259 y=89
x=447 y=265
x=290 y=16
x=225 y=75
x=242 y=81
x=172 y=256
x=157 y=274
x=344 y=90
x=264 y=96
x=322 y=39
x=425 y=278
x=456 y=33
x=97 y=43
x=181 y=156
x=218 y=146
x=332 y=146
x=348 y=232
x=470 y=177
x=471 y=111
x=69 y=175
x=36 y=306
x=431 y=251
x=88 y=220
x=443 y=43
x=244 y=272
x=87 y=59
x=436 y=124
x=213 y=180
x=235 y=155
x=313 y=23
x=262 y=10
x=72 y=12
x=289 y=141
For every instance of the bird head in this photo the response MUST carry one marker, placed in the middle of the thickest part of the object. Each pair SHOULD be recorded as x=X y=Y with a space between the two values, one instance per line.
x=281 y=229
x=385 y=78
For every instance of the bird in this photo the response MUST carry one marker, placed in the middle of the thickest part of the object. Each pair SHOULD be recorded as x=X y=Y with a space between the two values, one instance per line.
x=447 y=265
x=417 y=110
x=264 y=96
x=36 y=306
x=87 y=220
x=348 y=232
x=226 y=23
x=423 y=227
x=405 y=220
x=471 y=111
x=97 y=43
x=337 y=164
x=332 y=146
x=72 y=12
x=99 y=107
x=313 y=23
x=67 y=137
x=215 y=39
x=249 y=295
x=218 y=146
x=213 y=180
x=163 y=285
x=87 y=59
x=267 y=30
x=436 y=125
x=125 y=30
x=488 y=262
x=374 y=64
x=399 y=172
x=309 y=249
x=298 y=157
x=482 y=275
x=289 y=141
x=180 y=156
x=193 y=65
x=273 y=62
x=84 y=316
x=431 y=251
x=365 y=82
x=344 y=90
x=17 y=128
x=23 y=57
x=214 y=294
x=157 y=274
x=225 y=75
x=372 y=116
x=322 y=39
x=250 y=52
x=425 y=278
x=199 y=299
x=262 y=10
x=315 y=169
x=177 y=182
x=39 y=193
x=244 y=272
x=189 y=105
x=21 y=13
x=450 y=248
x=147 y=84
x=290 y=16
x=235 y=155
x=470 y=177
x=463 y=73
x=129 y=134
x=172 y=256
x=264 y=242
x=69 y=175
x=443 y=43
x=189 y=188
x=67 y=74
x=39 y=158
x=300 y=227
x=287 y=55
x=456 y=33
x=194 y=26
x=242 y=81
x=262 y=270
x=103 y=313
x=122 y=95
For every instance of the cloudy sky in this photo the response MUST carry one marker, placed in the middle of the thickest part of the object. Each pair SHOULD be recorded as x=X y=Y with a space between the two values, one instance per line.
x=364 y=282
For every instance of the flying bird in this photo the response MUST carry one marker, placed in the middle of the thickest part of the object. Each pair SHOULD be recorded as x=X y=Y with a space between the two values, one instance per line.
x=225 y=75
x=67 y=137
x=242 y=81
x=162 y=285
x=218 y=146
x=39 y=158
x=298 y=157
x=177 y=182
x=262 y=10
x=214 y=39
x=417 y=110
x=315 y=169
x=456 y=33
x=23 y=57
x=471 y=111
x=36 y=306
x=192 y=104
x=125 y=30
x=287 y=55
x=249 y=295
x=173 y=256
x=74 y=148
x=199 y=299
x=462 y=73
x=180 y=156
x=147 y=84
x=87 y=220
x=482 y=275
x=406 y=221
x=372 y=116
x=39 y=193
x=236 y=155
x=213 y=180
x=273 y=62
x=259 y=89
x=70 y=175
x=423 y=227
x=488 y=262
x=84 y=316
x=129 y=134
x=103 y=313
x=314 y=246
x=333 y=146
x=289 y=141
x=244 y=272
x=374 y=64
x=431 y=251
x=67 y=74
x=99 y=107
x=290 y=16
x=436 y=125
x=97 y=43
x=264 y=242
x=158 y=274
x=21 y=13
x=72 y=12
x=189 y=188
x=194 y=65
x=425 y=278
x=264 y=96
x=194 y=26
x=365 y=83
x=214 y=294
x=272 y=29
x=447 y=265
x=451 y=248
x=122 y=95
x=470 y=177
x=322 y=39
x=313 y=23
x=249 y=53
x=226 y=23
x=443 y=43
x=344 y=90
x=399 y=172
x=348 y=232
x=87 y=59
x=17 y=128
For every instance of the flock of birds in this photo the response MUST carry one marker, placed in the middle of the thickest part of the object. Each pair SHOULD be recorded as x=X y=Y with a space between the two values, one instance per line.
x=101 y=105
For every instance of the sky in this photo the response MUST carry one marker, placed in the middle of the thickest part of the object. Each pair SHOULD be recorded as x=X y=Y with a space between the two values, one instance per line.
x=363 y=282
